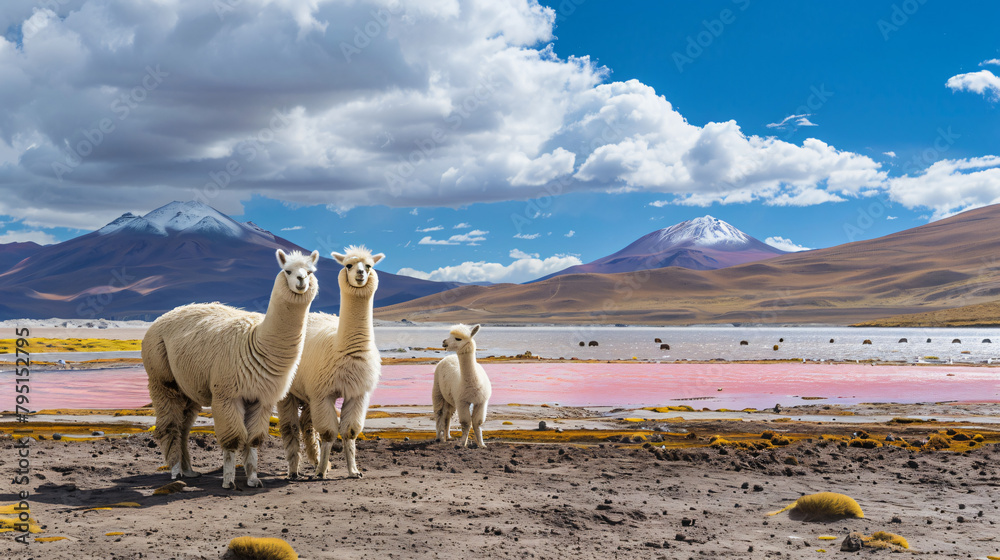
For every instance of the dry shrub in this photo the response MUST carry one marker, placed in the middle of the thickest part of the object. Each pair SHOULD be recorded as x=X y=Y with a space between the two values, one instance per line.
x=960 y=437
x=863 y=434
x=175 y=486
x=791 y=460
x=253 y=548
x=883 y=539
x=767 y=434
x=863 y=443
x=978 y=438
x=824 y=506
x=938 y=441
x=780 y=440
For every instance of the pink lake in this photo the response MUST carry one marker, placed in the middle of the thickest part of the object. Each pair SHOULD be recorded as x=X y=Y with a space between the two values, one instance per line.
x=569 y=384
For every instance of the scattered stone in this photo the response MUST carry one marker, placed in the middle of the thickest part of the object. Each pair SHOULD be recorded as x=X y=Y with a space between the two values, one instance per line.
x=542 y=425
x=687 y=522
x=97 y=433
x=509 y=468
x=852 y=543
x=57 y=437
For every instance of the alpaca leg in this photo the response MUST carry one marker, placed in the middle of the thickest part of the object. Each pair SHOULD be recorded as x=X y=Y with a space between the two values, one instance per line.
x=190 y=415
x=324 y=415
x=478 y=417
x=447 y=414
x=465 y=419
x=250 y=467
x=168 y=402
x=231 y=434
x=290 y=427
x=440 y=406
x=309 y=436
x=258 y=418
x=352 y=422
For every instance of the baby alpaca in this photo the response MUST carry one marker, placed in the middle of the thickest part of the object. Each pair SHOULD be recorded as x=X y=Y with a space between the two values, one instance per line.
x=461 y=383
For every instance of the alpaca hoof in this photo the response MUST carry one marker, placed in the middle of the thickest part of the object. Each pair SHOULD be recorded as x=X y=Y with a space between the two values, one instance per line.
x=254 y=483
x=294 y=476
x=356 y=475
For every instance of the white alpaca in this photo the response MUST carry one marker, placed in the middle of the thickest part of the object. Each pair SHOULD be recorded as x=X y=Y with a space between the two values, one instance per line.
x=461 y=383
x=339 y=360
x=239 y=363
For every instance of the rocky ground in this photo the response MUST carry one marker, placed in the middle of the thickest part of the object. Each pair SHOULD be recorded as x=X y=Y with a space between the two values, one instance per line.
x=598 y=499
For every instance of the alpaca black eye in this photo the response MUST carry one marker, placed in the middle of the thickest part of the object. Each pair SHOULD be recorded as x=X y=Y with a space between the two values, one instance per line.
x=288 y=272
x=349 y=266
x=309 y=272
x=368 y=266
x=458 y=339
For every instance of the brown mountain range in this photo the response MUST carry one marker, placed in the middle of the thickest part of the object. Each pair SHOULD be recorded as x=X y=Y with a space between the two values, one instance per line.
x=945 y=264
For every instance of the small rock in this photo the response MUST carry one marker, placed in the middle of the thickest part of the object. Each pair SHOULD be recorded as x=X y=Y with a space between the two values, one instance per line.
x=852 y=543
x=508 y=468
x=758 y=488
x=542 y=425
x=57 y=437
x=687 y=522
x=97 y=433
x=680 y=537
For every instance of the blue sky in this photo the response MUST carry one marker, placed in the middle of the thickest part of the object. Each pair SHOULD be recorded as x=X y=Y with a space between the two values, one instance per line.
x=543 y=135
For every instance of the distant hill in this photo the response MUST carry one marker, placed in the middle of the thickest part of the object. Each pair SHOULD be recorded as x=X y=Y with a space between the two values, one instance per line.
x=138 y=267
x=704 y=243
x=13 y=253
x=978 y=315
x=944 y=264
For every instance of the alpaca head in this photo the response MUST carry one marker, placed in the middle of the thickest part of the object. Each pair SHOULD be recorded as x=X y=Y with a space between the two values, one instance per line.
x=358 y=263
x=298 y=269
x=460 y=338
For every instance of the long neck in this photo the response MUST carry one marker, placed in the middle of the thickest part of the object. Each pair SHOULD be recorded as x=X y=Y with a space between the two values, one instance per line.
x=283 y=329
x=467 y=360
x=356 y=332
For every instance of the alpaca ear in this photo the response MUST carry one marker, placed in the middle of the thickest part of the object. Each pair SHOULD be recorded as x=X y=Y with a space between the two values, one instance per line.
x=378 y=257
x=314 y=257
x=282 y=257
x=338 y=257
x=475 y=329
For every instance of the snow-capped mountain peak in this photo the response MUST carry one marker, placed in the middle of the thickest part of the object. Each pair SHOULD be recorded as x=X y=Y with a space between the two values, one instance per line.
x=703 y=232
x=190 y=217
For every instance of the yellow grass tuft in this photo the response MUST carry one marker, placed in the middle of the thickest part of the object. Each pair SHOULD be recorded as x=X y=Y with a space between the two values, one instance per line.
x=634 y=419
x=863 y=443
x=49 y=539
x=175 y=486
x=823 y=506
x=662 y=409
x=978 y=438
x=253 y=548
x=827 y=538
x=113 y=534
x=938 y=441
x=883 y=539
x=41 y=345
x=507 y=423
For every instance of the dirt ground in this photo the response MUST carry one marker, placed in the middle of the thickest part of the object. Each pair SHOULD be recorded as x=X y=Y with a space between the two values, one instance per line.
x=598 y=499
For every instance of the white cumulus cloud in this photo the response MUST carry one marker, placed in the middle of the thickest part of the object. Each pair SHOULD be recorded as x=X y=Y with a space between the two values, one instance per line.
x=785 y=244
x=463 y=225
x=984 y=82
x=570 y=233
x=447 y=104
x=21 y=236
x=993 y=61
x=526 y=267
x=293 y=228
x=430 y=229
x=950 y=186
x=527 y=235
